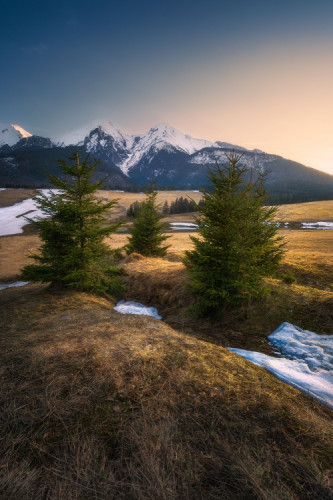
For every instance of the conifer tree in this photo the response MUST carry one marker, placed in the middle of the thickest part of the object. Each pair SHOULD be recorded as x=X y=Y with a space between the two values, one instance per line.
x=165 y=209
x=133 y=209
x=73 y=229
x=238 y=243
x=147 y=231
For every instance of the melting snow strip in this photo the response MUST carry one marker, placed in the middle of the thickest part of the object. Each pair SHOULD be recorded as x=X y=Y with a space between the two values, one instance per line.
x=317 y=225
x=3 y=286
x=183 y=225
x=306 y=361
x=136 y=308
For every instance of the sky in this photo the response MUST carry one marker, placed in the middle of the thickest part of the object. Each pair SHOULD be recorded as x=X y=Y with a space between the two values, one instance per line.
x=258 y=74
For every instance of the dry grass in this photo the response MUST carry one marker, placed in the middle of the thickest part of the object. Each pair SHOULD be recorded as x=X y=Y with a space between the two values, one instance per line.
x=99 y=405
x=162 y=283
x=11 y=196
x=309 y=256
x=297 y=212
x=14 y=251
x=306 y=212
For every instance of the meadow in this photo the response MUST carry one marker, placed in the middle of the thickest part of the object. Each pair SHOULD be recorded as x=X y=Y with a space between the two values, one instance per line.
x=95 y=404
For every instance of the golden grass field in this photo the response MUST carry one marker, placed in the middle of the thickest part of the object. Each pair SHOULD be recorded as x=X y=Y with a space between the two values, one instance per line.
x=309 y=248
x=95 y=404
x=298 y=212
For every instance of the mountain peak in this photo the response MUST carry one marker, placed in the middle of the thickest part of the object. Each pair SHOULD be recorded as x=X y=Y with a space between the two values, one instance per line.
x=164 y=135
x=23 y=133
x=11 y=134
x=163 y=127
x=78 y=136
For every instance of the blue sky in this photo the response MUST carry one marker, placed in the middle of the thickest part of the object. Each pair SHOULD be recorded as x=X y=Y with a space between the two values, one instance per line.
x=258 y=74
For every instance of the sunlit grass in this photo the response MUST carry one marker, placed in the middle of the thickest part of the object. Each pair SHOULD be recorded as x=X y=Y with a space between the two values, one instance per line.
x=97 y=404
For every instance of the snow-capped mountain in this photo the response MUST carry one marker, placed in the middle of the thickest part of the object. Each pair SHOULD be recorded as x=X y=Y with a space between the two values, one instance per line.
x=128 y=150
x=12 y=134
x=162 y=137
x=101 y=138
x=176 y=160
x=89 y=135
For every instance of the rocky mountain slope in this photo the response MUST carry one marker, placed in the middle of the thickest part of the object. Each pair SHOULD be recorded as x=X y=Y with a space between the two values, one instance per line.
x=176 y=160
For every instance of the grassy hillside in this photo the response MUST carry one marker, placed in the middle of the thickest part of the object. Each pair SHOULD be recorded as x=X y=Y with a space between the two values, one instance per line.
x=95 y=404
x=99 y=405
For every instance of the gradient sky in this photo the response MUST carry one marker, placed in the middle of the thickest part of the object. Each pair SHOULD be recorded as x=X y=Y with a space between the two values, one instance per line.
x=254 y=73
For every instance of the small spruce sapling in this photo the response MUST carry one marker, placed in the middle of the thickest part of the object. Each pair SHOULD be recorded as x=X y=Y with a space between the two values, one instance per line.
x=146 y=234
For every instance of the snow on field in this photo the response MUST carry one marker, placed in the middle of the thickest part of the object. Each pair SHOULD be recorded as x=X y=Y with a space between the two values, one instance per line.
x=2 y=189
x=306 y=361
x=136 y=308
x=12 y=218
x=183 y=225
x=3 y=286
x=317 y=225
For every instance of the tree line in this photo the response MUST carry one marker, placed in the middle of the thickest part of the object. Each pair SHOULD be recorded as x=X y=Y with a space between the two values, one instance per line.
x=180 y=205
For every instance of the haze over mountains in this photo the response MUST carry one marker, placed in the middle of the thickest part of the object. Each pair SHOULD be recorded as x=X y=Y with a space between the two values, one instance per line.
x=128 y=161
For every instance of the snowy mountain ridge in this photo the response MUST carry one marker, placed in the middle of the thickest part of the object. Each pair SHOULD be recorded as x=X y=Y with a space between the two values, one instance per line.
x=80 y=136
x=96 y=136
x=126 y=151
x=175 y=159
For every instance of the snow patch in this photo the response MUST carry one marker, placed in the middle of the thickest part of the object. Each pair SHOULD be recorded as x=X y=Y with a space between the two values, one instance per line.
x=12 y=219
x=317 y=225
x=306 y=362
x=136 y=308
x=182 y=225
x=185 y=224
x=3 y=286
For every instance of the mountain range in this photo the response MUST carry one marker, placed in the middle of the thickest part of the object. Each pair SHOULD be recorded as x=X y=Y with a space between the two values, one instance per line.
x=176 y=160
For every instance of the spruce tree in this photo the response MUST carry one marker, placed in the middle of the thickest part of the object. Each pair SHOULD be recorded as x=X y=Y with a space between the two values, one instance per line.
x=147 y=231
x=73 y=229
x=133 y=209
x=165 y=209
x=238 y=243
